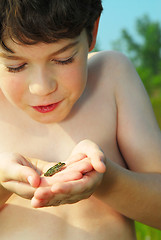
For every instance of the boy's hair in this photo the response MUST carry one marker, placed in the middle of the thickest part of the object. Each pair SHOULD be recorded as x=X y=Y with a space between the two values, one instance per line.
x=33 y=21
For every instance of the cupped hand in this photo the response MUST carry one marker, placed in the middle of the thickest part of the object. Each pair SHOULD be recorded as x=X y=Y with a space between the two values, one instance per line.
x=18 y=174
x=79 y=180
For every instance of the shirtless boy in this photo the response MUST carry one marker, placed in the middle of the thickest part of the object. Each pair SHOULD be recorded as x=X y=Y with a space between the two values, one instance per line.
x=59 y=104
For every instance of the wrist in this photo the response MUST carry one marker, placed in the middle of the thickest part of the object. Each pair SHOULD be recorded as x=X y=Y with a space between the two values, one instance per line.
x=109 y=182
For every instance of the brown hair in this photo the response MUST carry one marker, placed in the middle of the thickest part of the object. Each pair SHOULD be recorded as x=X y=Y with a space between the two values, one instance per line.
x=32 y=21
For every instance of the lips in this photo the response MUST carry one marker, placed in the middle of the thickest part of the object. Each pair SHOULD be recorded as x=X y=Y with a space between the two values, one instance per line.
x=46 y=108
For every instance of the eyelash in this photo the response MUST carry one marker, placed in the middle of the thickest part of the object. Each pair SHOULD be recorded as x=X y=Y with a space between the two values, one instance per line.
x=17 y=69
x=64 y=62
x=20 y=68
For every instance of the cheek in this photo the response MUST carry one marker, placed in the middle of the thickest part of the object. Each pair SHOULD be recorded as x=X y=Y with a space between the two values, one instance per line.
x=75 y=79
x=12 y=88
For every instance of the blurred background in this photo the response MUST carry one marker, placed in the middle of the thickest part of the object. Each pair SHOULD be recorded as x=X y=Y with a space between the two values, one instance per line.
x=133 y=27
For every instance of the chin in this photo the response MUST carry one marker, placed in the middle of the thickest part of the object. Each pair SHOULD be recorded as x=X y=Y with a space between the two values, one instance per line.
x=49 y=119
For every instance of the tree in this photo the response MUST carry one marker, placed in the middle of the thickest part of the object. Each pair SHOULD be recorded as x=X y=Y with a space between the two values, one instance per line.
x=146 y=53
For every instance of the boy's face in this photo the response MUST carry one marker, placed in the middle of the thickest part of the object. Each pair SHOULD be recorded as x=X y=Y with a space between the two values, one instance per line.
x=44 y=80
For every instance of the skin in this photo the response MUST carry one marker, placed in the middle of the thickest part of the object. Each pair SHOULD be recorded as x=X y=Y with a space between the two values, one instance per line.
x=106 y=187
x=44 y=80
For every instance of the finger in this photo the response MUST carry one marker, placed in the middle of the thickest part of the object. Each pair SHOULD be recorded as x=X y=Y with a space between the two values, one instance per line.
x=75 y=158
x=93 y=152
x=98 y=161
x=41 y=197
x=43 y=193
x=82 y=166
x=64 y=176
x=23 y=174
x=37 y=203
x=57 y=199
x=72 y=187
x=22 y=189
x=87 y=182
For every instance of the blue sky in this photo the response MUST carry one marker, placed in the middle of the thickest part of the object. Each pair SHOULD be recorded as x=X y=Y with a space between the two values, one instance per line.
x=119 y=14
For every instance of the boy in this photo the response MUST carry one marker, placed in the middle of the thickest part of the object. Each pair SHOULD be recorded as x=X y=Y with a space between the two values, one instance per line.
x=53 y=96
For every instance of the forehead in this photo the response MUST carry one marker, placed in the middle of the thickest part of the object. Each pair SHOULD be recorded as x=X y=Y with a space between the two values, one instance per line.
x=23 y=51
x=11 y=47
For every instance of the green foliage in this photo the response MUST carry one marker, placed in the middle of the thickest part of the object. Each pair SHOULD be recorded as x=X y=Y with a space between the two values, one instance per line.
x=144 y=232
x=146 y=54
x=156 y=102
x=150 y=49
x=152 y=82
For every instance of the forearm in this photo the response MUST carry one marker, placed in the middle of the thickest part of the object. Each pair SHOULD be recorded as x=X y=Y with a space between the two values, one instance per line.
x=135 y=195
x=4 y=195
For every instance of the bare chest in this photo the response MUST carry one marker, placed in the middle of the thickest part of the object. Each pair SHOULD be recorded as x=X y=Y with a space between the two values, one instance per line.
x=95 y=120
x=55 y=142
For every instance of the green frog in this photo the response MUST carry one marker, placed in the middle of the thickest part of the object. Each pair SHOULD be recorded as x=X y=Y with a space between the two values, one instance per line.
x=56 y=168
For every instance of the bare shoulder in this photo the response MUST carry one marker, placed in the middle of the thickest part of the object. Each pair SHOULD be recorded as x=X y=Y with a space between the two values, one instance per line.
x=101 y=72
x=112 y=56
x=111 y=61
x=138 y=134
x=113 y=68
x=114 y=75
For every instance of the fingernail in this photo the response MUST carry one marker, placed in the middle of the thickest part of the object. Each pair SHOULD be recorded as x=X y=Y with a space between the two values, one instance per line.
x=30 y=180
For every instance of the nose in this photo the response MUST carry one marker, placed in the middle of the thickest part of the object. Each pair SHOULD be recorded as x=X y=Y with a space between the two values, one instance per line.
x=42 y=84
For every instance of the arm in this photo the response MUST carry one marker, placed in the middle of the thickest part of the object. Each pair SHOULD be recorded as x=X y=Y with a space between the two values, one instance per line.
x=136 y=192
x=133 y=194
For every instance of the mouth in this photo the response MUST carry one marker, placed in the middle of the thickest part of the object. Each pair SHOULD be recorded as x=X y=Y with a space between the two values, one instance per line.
x=46 y=108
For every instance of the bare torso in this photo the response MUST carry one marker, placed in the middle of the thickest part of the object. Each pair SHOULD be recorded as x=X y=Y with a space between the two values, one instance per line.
x=87 y=219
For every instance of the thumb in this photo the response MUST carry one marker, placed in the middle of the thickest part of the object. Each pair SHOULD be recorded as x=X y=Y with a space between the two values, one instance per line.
x=23 y=174
x=98 y=161
x=92 y=151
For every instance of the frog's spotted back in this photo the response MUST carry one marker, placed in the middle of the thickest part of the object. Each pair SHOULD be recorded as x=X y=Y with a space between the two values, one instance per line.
x=56 y=168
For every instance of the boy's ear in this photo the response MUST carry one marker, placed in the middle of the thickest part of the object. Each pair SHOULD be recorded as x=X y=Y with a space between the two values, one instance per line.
x=94 y=34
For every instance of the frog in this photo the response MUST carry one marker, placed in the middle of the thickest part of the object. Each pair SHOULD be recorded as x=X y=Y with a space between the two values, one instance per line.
x=55 y=169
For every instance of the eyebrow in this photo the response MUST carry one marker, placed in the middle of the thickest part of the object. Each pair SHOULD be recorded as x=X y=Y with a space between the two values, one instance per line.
x=13 y=57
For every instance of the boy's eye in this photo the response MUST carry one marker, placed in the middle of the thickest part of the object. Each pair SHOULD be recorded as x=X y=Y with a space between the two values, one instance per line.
x=16 y=69
x=64 y=61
